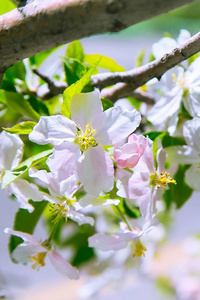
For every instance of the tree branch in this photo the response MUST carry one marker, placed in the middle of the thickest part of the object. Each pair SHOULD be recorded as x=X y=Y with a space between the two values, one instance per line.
x=42 y=25
x=137 y=77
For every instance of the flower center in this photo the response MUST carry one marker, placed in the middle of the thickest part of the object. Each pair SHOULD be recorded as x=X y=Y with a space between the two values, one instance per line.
x=181 y=83
x=85 y=138
x=60 y=211
x=39 y=260
x=139 y=249
x=162 y=180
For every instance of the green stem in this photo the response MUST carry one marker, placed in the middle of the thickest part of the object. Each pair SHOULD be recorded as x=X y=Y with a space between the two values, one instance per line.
x=52 y=232
x=124 y=218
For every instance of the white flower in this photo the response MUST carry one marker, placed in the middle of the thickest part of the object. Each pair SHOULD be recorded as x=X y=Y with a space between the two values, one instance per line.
x=11 y=152
x=190 y=153
x=78 y=142
x=34 y=251
x=185 y=89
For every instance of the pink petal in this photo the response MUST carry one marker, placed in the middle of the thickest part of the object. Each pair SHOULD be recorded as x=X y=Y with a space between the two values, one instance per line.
x=61 y=265
x=105 y=242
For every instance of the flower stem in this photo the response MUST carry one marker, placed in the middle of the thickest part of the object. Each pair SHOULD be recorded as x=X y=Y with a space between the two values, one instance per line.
x=124 y=218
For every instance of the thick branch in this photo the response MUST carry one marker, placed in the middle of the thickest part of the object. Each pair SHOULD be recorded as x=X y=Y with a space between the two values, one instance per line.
x=42 y=25
x=137 y=77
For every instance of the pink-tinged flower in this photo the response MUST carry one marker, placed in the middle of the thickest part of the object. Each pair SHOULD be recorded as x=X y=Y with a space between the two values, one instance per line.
x=119 y=240
x=144 y=183
x=78 y=142
x=64 y=204
x=128 y=155
x=11 y=152
x=36 y=252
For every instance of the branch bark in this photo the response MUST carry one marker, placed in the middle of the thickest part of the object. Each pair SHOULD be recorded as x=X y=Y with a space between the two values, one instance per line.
x=137 y=77
x=42 y=25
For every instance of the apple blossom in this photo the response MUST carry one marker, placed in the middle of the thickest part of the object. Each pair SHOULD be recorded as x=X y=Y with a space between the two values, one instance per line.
x=119 y=240
x=64 y=204
x=34 y=251
x=144 y=183
x=128 y=155
x=190 y=153
x=11 y=152
x=78 y=143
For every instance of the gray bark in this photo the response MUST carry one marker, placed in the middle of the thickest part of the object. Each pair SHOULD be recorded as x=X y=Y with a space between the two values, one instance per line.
x=42 y=25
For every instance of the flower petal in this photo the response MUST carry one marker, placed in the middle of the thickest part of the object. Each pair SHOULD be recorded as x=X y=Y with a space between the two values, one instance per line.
x=191 y=132
x=106 y=243
x=86 y=108
x=54 y=130
x=182 y=155
x=95 y=171
x=11 y=149
x=192 y=177
x=119 y=124
x=61 y=265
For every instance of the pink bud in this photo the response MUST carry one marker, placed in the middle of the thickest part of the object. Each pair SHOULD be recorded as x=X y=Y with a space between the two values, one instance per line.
x=128 y=155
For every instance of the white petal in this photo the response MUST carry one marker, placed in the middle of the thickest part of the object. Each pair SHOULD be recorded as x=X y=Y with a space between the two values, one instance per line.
x=119 y=124
x=89 y=201
x=23 y=190
x=165 y=45
x=54 y=130
x=80 y=218
x=25 y=236
x=95 y=171
x=184 y=35
x=191 y=132
x=192 y=104
x=106 y=243
x=61 y=265
x=192 y=177
x=69 y=186
x=63 y=160
x=11 y=150
x=86 y=108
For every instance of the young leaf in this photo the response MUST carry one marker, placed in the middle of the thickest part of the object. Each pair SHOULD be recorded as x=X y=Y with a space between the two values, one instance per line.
x=21 y=128
x=106 y=103
x=26 y=222
x=105 y=62
x=17 y=103
x=73 y=69
x=75 y=50
x=10 y=176
x=178 y=193
x=140 y=58
x=74 y=89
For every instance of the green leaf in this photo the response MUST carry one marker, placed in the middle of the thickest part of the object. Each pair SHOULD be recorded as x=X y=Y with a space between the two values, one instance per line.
x=17 y=103
x=136 y=104
x=75 y=50
x=75 y=88
x=26 y=222
x=178 y=193
x=153 y=134
x=132 y=212
x=140 y=58
x=74 y=69
x=17 y=71
x=39 y=106
x=106 y=103
x=10 y=176
x=6 y=6
x=192 y=58
x=105 y=62
x=168 y=140
x=21 y=128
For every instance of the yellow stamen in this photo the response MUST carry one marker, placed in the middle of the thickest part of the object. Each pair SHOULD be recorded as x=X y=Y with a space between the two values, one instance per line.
x=162 y=180
x=39 y=260
x=60 y=210
x=139 y=249
x=86 y=138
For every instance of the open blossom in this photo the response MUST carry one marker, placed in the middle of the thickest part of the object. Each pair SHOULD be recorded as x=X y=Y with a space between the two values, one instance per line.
x=185 y=90
x=144 y=183
x=119 y=239
x=11 y=152
x=64 y=204
x=78 y=143
x=36 y=252
x=190 y=153
x=128 y=155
